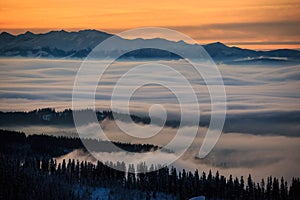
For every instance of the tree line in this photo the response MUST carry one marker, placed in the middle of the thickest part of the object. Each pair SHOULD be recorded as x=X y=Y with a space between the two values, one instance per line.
x=34 y=178
x=29 y=173
x=49 y=116
x=12 y=142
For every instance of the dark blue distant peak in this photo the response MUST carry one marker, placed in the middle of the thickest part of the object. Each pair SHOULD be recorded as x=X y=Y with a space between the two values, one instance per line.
x=90 y=31
x=61 y=43
x=6 y=36
x=28 y=33
x=5 y=33
x=216 y=44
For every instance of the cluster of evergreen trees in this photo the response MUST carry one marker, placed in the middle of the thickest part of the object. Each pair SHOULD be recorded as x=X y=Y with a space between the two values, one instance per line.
x=35 y=178
x=12 y=142
x=28 y=171
x=49 y=116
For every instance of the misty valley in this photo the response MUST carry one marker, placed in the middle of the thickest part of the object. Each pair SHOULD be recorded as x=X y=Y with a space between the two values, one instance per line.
x=149 y=100
x=41 y=149
x=31 y=161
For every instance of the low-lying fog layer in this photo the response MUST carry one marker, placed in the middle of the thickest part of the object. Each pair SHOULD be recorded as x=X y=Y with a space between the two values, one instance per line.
x=262 y=101
x=235 y=153
x=27 y=84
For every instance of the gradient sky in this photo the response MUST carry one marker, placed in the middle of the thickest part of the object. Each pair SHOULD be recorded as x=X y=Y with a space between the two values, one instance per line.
x=253 y=24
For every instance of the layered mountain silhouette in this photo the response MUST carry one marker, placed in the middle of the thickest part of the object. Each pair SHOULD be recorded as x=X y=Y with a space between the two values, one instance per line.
x=63 y=44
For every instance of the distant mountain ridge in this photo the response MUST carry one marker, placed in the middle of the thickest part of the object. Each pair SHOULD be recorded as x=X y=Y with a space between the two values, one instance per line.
x=63 y=44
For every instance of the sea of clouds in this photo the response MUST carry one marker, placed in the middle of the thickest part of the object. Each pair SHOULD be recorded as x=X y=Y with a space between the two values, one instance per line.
x=261 y=133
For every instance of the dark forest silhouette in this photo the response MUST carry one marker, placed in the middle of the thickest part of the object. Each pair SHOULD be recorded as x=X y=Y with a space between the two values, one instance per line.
x=49 y=116
x=28 y=171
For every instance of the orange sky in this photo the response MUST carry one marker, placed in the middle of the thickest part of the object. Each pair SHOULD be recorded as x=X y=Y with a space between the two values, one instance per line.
x=254 y=24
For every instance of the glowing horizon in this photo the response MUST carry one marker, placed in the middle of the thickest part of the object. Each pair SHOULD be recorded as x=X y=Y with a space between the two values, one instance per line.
x=247 y=24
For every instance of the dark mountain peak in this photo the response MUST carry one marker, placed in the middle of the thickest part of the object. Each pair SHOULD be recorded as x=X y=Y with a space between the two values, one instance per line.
x=217 y=44
x=283 y=50
x=216 y=47
x=56 y=32
x=62 y=43
x=28 y=33
x=181 y=42
x=6 y=37
x=91 y=31
x=6 y=34
x=26 y=36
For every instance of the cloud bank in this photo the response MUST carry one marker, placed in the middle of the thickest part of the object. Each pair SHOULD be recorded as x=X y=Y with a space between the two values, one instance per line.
x=262 y=96
x=235 y=153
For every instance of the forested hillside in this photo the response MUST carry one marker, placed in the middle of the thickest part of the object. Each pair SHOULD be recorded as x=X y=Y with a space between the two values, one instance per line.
x=34 y=174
